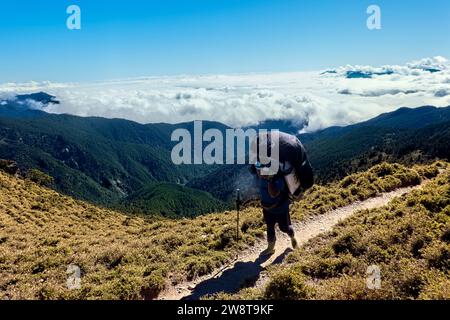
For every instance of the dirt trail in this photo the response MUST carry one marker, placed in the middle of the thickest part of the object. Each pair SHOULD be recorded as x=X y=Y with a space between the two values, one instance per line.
x=247 y=269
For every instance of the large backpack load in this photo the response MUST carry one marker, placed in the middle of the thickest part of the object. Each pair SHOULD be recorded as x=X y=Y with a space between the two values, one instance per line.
x=294 y=163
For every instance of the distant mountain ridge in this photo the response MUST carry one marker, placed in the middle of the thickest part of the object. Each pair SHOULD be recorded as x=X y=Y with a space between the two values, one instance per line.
x=27 y=102
x=402 y=118
x=41 y=97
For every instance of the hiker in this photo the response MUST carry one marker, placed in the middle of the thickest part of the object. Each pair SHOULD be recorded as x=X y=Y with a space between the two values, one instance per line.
x=275 y=203
x=276 y=188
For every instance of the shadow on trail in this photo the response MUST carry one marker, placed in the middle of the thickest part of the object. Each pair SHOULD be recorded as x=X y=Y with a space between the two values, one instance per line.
x=242 y=275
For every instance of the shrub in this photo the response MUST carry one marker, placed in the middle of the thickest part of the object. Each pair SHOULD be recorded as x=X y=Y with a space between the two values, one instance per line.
x=287 y=285
x=351 y=288
x=154 y=284
x=428 y=171
x=417 y=244
x=111 y=257
x=375 y=254
x=438 y=255
x=226 y=237
x=171 y=242
x=252 y=222
x=408 y=278
x=193 y=250
x=347 y=243
x=40 y=177
x=323 y=268
x=126 y=287
x=437 y=288
x=199 y=266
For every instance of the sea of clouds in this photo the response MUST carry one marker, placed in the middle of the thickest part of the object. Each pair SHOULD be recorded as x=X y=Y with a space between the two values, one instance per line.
x=322 y=98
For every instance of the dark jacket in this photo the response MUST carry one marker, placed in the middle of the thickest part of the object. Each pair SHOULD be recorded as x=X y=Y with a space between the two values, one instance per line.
x=278 y=204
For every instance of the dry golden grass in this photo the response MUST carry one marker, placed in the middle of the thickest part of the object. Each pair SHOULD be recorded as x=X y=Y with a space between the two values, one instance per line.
x=130 y=257
x=121 y=257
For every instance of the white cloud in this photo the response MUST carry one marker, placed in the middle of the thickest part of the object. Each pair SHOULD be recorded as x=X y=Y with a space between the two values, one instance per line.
x=324 y=99
x=438 y=63
x=12 y=87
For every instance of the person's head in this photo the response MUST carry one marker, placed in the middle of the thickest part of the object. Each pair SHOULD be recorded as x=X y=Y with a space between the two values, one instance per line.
x=265 y=153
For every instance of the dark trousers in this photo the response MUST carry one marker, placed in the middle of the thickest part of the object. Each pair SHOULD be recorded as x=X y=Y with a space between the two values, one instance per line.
x=284 y=223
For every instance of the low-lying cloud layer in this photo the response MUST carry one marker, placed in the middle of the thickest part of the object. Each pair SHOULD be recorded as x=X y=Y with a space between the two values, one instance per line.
x=321 y=98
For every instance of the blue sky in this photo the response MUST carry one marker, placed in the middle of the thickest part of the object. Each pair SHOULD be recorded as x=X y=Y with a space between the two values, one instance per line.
x=139 y=38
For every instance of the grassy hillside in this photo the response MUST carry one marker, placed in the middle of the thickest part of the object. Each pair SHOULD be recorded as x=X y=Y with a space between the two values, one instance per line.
x=121 y=257
x=125 y=257
x=409 y=240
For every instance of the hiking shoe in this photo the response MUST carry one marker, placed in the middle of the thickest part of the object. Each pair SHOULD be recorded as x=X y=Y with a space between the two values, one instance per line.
x=270 y=249
x=294 y=242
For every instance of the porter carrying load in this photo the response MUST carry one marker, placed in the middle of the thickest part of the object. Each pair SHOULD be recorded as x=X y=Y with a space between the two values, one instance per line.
x=282 y=173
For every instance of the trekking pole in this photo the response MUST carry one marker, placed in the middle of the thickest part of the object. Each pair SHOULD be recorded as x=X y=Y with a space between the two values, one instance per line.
x=238 y=207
